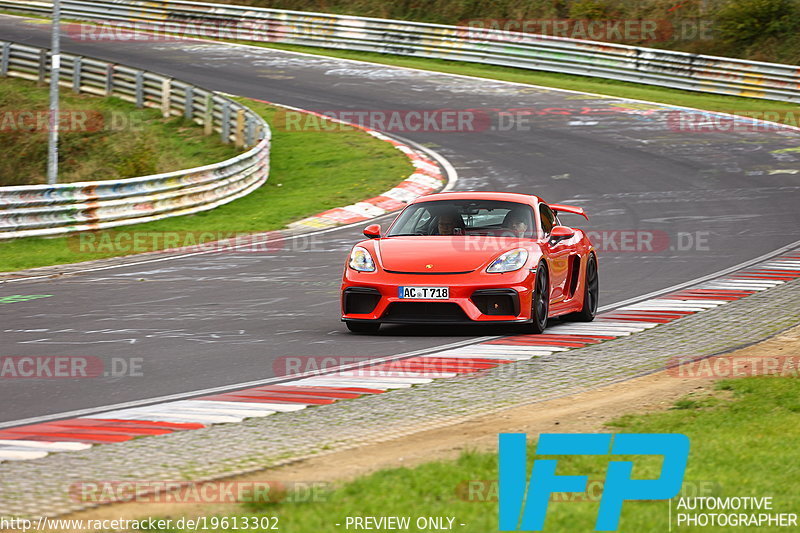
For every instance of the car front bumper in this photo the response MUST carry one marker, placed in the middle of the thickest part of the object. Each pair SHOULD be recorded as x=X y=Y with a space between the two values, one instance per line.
x=473 y=298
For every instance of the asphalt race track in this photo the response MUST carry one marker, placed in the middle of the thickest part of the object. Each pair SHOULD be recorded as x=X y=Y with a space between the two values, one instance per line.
x=706 y=200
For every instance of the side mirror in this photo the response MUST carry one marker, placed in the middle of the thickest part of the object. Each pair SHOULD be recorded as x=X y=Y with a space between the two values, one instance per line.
x=559 y=233
x=373 y=231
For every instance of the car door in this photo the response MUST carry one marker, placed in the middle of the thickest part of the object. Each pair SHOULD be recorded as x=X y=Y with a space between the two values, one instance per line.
x=557 y=255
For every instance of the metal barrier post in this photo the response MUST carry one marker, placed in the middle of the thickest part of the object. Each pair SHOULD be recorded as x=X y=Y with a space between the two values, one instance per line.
x=42 y=66
x=77 y=67
x=239 y=134
x=208 y=118
x=166 y=97
x=4 y=56
x=110 y=79
x=248 y=137
x=194 y=190
x=139 y=88
x=226 y=122
x=188 y=103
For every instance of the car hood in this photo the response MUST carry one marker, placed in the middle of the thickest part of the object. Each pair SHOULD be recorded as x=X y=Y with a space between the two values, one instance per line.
x=441 y=253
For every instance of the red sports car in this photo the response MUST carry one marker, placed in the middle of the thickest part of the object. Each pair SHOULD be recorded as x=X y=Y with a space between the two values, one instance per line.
x=471 y=257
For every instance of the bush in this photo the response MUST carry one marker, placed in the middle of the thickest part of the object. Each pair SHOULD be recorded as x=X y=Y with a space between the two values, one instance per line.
x=590 y=9
x=753 y=21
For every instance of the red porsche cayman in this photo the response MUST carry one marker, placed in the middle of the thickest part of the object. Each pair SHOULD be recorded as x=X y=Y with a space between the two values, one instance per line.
x=471 y=257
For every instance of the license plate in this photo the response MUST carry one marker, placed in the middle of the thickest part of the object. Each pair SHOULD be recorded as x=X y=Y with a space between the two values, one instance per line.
x=424 y=293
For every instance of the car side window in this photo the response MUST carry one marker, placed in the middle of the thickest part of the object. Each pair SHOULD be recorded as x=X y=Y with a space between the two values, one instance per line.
x=422 y=221
x=548 y=218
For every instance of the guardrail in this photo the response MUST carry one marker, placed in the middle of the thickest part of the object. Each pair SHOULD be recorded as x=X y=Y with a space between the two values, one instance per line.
x=36 y=210
x=522 y=50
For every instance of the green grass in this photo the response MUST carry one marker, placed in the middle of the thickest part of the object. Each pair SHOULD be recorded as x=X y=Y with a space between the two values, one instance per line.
x=743 y=443
x=311 y=171
x=101 y=138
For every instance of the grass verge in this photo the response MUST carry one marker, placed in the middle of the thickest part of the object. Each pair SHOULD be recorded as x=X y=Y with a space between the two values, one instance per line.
x=311 y=171
x=100 y=139
x=742 y=439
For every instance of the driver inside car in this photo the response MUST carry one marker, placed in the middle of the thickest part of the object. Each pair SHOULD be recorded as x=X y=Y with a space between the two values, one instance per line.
x=516 y=222
x=449 y=223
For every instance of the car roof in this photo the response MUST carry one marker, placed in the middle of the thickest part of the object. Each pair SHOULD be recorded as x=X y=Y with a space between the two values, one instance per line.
x=480 y=195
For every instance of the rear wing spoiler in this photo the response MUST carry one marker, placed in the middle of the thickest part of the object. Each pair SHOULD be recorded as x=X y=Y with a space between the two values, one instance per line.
x=558 y=208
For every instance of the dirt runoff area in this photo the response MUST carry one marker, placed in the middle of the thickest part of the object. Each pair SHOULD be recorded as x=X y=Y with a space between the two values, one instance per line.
x=586 y=412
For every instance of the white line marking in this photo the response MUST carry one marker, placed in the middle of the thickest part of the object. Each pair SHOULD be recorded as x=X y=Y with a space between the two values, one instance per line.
x=473 y=357
x=698 y=301
x=596 y=325
x=188 y=406
x=21 y=455
x=719 y=273
x=91 y=412
x=47 y=446
x=282 y=407
x=659 y=292
x=603 y=322
x=352 y=382
x=239 y=406
x=165 y=416
x=385 y=377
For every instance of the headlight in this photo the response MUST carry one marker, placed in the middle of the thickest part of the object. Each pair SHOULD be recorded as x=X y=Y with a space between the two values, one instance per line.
x=509 y=261
x=361 y=260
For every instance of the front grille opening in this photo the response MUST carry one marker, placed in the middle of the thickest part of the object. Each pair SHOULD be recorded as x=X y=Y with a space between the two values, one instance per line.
x=496 y=301
x=360 y=300
x=425 y=311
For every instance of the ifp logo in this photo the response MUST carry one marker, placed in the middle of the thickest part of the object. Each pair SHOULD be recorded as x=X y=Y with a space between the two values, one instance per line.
x=523 y=505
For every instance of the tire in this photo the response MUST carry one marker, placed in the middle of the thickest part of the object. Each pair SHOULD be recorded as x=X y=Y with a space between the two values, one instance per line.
x=590 y=293
x=363 y=327
x=540 y=301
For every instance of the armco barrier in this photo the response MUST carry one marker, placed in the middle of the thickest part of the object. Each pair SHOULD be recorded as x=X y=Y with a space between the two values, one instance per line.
x=36 y=210
x=529 y=51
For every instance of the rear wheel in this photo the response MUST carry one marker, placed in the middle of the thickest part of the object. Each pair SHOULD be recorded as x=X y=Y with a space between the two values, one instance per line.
x=540 y=301
x=363 y=327
x=590 y=294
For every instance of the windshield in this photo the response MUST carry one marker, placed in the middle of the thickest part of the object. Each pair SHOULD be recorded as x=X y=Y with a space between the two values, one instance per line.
x=465 y=217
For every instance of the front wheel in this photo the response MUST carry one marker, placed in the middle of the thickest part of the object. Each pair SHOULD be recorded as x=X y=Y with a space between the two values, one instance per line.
x=540 y=304
x=590 y=294
x=363 y=327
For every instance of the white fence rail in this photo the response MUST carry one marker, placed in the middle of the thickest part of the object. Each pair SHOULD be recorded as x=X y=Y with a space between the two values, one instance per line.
x=529 y=51
x=36 y=210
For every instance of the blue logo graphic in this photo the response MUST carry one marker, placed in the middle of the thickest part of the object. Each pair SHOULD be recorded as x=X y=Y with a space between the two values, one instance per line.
x=523 y=505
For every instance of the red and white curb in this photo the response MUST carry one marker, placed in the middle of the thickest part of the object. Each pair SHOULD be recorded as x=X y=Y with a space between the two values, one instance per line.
x=426 y=179
x=37 y=440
